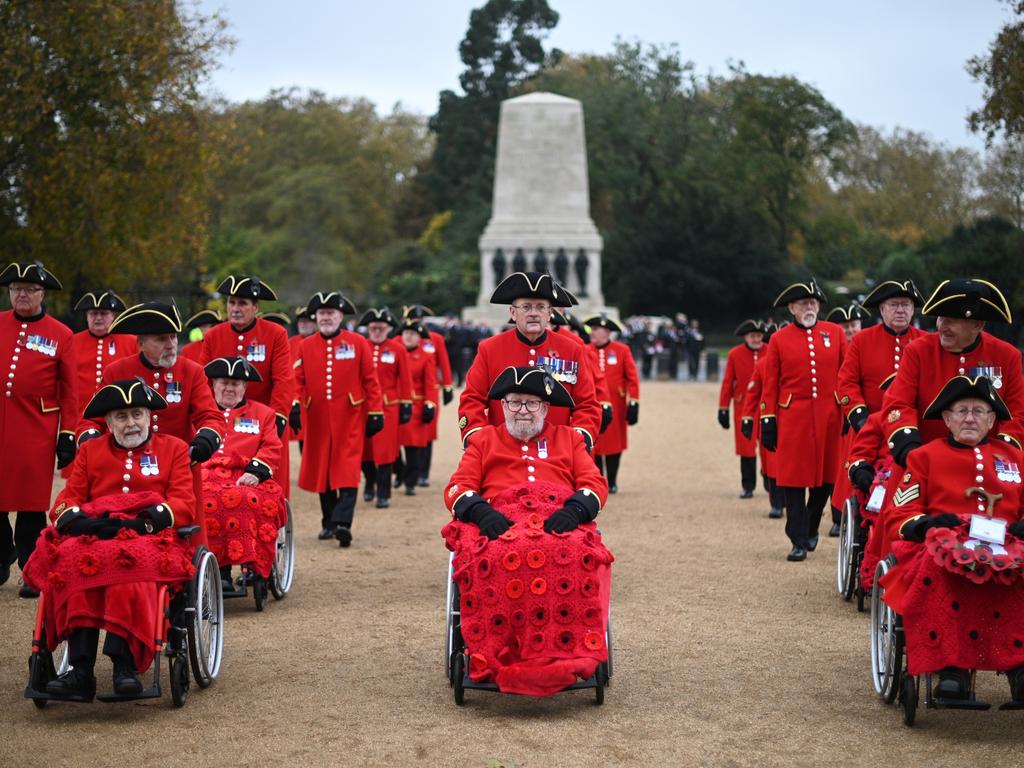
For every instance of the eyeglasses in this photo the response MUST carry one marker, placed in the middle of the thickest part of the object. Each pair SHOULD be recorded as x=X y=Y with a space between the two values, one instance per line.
x=532 y=307
x=531 y=406
x=27 y=291
x=977 y=413
x=894 y=305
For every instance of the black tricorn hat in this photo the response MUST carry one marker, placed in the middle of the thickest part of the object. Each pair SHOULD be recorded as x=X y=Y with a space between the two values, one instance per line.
x=151 y=317
x=893 y=289
x=970 y=299
x=382 y=315
x=303 y=313
x=203 y=317
x=961 y=387
x=572 y=297
x=246 y=287
x=530 y=285
x=330 y=300
x=848 y=314
x=100 y=300
x=530 y=381
x=797 y=291
x=749 y=326
x=280 y=318
x=603 y=321
x=557 y=318
x=127 y=393
x=232 y=368
x=416 y=311
x=29 y=272
x=574 y=322
x=412 y=324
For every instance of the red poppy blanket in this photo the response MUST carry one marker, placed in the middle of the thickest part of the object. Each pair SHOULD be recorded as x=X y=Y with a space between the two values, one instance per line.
x=534 y=605
x=241 y=521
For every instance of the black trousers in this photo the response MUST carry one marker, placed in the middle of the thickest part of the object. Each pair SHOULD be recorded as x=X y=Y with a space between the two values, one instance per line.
x=748 y=472
x=609 y=467
x=428 y=454
x=413 y=465
x=82 y=644
x=776 y=495
x=804 y=508
x=22 y=541
x=338 y=507
x=383 y=477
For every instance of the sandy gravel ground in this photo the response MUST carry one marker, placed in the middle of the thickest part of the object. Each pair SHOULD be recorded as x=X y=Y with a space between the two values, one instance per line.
x=725 y=654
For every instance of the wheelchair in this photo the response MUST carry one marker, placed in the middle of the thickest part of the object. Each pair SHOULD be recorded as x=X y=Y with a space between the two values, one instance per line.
x=457 y=660
x=191 y=618
x=282 y=571
x=853 y=538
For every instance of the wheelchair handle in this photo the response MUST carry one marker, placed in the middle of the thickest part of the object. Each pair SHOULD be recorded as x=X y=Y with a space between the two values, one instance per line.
x=188 y=531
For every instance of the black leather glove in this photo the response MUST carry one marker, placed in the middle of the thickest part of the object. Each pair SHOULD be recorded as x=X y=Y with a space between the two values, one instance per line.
x=606 y=416
x=88 y=435
x=429 y=410
x=295 y=418
x=489 y=520
x=747 y=428
x=633 y=413
x=581 y=507
x=404 y=413
x=915 y=530
x=374 y=424
x=769 y=433
x=723 y=417
x=858 y=418
x=282 y=424
x=447 y=395
x=862 y=476
x=1017 y=529
x=158 y=514
x=203 y=446
x=65 y=449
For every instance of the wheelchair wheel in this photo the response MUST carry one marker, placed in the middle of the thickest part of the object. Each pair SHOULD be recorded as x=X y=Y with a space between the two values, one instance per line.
x=206 y=628
x=886 y=640
x=451 y=611
x=608 y=645
x=284 y=564
x=908 y=699
x=458 y=675
x=179 y=681
x=259 y=591
x=845 y=552
x=601 y=678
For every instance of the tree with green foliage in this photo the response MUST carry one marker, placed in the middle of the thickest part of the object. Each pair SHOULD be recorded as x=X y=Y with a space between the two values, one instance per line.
x=1001 y=73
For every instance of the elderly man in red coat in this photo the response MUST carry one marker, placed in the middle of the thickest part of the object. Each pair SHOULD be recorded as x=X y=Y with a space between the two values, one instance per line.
x=132 y=462
x=799 y=415
x=197 y=327
x=434 y=345
x=338 y=387
x=96 y=347
x=739 y=367
x=37 y=411
x=306 y=326
x=524 y=498
x=414 y=435
x=959 y=348
x=531 y=296
x=614 y=364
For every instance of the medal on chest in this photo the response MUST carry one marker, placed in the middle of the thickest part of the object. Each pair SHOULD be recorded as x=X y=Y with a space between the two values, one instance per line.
x=345 y=351
x=173 y=392
x=387 y=357
x=826 y=339
x=248 y=426
x=993 y=372
x=564 y=371
x=148 y=465
x=429 y=348
x=256 y=353
x=1006 y=470
x=111 y=348
x=542 y=448
x=613 y=359
x=41 y=344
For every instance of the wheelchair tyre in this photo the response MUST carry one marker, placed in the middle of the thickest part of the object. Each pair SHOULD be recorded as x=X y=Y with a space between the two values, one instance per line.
x=40 y=672
x=259 y=592
x=608 y=645
x=845 y=550
x=886 y=640
x=908 y=699
x=206 y=627
x=284 y=564
x=601 y=679
x=179 y=681
x=458 y=676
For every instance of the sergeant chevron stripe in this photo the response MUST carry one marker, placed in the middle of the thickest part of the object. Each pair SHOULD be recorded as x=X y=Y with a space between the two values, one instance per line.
x=906 y=495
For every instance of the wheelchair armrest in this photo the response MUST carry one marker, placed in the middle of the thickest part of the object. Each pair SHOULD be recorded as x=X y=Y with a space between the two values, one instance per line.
x=188 y=531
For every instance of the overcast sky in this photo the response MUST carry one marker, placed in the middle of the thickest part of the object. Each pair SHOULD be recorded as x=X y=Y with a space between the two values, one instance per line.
x=886 y=63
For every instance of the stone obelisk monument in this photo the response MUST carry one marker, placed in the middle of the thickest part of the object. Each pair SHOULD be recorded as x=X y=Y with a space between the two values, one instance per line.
x=540 y=219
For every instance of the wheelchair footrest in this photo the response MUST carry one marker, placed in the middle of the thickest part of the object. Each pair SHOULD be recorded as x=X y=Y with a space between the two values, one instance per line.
x=1011 y=705
x=153 y=692
x=32 y=693
x=239 y=592
x=976 y=704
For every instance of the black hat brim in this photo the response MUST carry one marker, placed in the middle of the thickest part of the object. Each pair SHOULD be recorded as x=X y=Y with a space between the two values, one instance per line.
x=246 y=287
x=892 y=289
x=798 y=291
x=30 y=272
x=232 y=368
x=149 y=318
x=963 y=387
x=128 y=393
x=106 y=300
x=530 y=285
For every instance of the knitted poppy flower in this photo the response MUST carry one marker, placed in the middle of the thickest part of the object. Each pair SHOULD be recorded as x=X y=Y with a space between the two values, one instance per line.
x=590 y=539
x=88 y=565
x=480 y=544
x=474 y=632
x=529 y=503
x=221 y=472
x=509 y=535
x=209 y=505
x=53 y=552
x=252 y=499
x=983 y=555
x=124 y=558
x=511 y=561
x=535 y=558
x=588 y=561
x=517 y=618
x=212 y=526
x=533 y=533
x=563 y=555
x=1005 y=578
x=499 y=623
x=165 y=564
x=464 y=579
x=593 y=641
x=538 y=586
x=565 y=640
x=232 y=525
x=534 y=521
x=470 y=603
x=55 y=579
x=564 y=613
x=963 y=555
x=539 y=616
x=564 y=585
x=235 y=550
x=269 y=508
x=979 y=574
x=514 y=588
x=125 y=534
x=537 y=641
x=589 y=587
x=479 y=669
x=86 y=540
x=261 y=559
x=1000 y=562
x=268 y=533
x=230 y=498
x=271 y=487
x=490 y=595
x=483 y=567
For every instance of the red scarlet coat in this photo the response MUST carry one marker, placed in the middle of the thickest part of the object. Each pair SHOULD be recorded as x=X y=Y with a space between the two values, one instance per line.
x=435 y=346
x=739 y=367
x=567 y=362
x=391 y=361
x=615 y=363
x=93 y=354
x=751 y=402
x=192 y=351
x=926 y=368
x=262 y=445
x=494 y=461
x=423 y=380
x=39 y=400
x=872 y=358
x=336 y=408
x=293 y=344
x=800 y=376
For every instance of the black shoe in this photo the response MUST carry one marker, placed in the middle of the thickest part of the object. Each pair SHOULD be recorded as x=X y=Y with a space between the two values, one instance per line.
x=747 y=495
x=812 y=543
x=397 y=482
x=796 y=555
x=226 y=586
x=410 y=490
x=5 y=569
x=952 y=684
x=368 y=495
x=776 y=513
x=126 y=681
x=27 y=592
x=73 y=684
x=383 y=503
x=1016 y=680
x=343 y=535
x=833 y=532
x=326 y=533
x=423 y=482
x=613 y=489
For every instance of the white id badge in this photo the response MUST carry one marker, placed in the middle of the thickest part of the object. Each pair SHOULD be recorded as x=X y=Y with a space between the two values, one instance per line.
x=989 y=529
x=876 y=500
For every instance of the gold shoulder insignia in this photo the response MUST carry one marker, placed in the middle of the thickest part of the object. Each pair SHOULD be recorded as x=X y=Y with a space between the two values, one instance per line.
x=60 y=508
x=906 y=478
x=463 y=422
x=894 y=415
x=845 y=400
x=453 y=490
x=763 y=406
